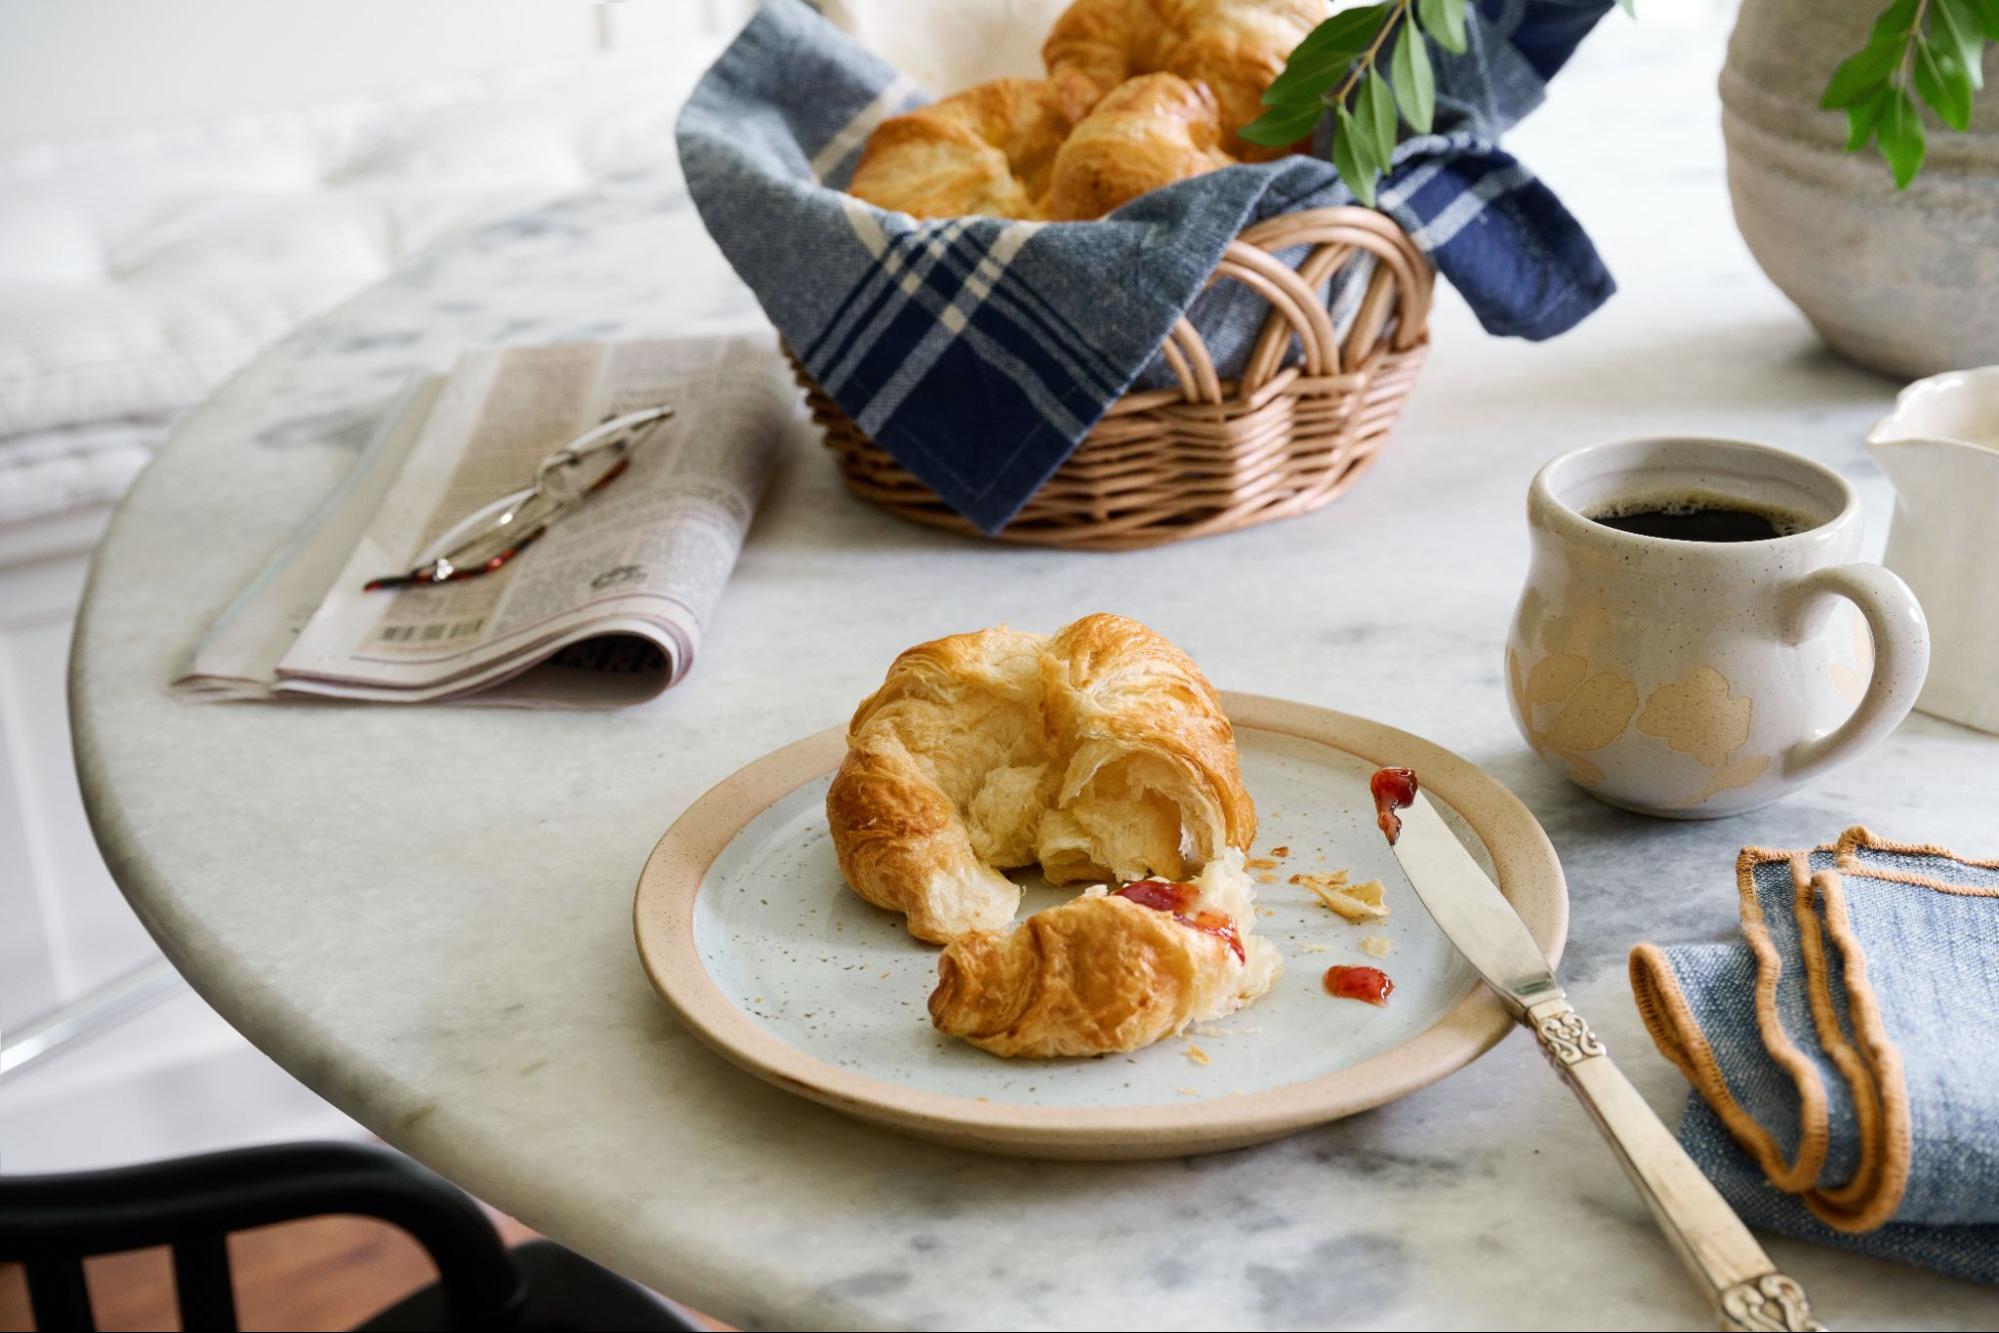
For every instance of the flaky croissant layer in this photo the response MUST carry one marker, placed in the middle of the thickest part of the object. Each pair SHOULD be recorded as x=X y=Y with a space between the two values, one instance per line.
x=1106 y=972
x=1100 y=753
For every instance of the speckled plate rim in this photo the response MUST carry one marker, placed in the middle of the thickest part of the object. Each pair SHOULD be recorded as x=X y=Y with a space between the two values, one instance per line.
x=663 y=922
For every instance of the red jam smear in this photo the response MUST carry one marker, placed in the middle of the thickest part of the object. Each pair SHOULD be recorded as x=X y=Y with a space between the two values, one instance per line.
x=1222 y=927
x=1160 y=895
x=1166 y=896
x=1394 y=789
x=1369 y=984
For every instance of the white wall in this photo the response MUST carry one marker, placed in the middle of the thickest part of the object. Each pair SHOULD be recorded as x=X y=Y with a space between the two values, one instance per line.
x=76 y=69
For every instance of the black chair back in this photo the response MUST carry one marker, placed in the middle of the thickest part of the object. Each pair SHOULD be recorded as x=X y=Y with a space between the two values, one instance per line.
x=51 y=1224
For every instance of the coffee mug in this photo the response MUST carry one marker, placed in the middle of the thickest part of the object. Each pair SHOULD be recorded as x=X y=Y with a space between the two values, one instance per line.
x=1717 y=647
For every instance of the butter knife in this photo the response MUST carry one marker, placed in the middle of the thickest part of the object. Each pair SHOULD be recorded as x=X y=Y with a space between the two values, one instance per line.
x=1747 y=1290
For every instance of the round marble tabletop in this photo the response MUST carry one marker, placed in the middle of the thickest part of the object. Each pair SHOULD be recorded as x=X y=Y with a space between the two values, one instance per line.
x=424 y=913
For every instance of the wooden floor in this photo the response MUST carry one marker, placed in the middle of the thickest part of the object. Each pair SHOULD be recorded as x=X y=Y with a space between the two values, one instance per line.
x=327 y=1273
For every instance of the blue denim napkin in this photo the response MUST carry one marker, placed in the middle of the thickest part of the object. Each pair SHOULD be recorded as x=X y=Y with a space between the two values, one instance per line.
x=1845 y=1055
x=979 y=351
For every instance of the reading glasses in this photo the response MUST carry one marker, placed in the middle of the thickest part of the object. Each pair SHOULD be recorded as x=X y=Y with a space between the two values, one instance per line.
x=492 y=535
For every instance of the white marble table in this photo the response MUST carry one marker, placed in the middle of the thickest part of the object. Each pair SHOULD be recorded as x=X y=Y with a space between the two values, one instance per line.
x=424 y=913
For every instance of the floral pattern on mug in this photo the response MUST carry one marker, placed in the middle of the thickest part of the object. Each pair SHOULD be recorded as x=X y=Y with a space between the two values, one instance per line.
x=1592 y=708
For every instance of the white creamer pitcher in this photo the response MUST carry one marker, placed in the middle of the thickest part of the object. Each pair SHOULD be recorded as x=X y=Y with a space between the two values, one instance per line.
x=1940 y=447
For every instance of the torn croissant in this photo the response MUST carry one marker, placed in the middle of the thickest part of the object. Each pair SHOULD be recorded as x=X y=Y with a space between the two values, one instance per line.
x=1110 y=971
x=1099 y=753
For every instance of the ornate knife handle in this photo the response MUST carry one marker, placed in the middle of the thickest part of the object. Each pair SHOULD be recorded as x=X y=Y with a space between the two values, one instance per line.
x=1747 y=1290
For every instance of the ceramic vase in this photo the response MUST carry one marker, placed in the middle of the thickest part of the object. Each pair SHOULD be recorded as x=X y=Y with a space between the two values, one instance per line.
x=1902 y=281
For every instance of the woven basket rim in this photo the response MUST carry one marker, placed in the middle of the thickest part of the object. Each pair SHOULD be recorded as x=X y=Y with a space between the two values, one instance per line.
x=1211 y=455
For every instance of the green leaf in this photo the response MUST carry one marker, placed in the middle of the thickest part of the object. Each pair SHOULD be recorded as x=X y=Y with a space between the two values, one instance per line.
x=1897 y=20
x=1899 y=133
x=1351 y=155
x=1628 y=6
x=1988 y=17
x=1944 y=85
x=1445 y=21
x=1280 y=127
x=1415 y=82
x=1307 y=77
x=1349 y=30
x=1957 y=32
x=1861 y=74
x=1974 y=60
x=1861 y=118
x=1374 y=112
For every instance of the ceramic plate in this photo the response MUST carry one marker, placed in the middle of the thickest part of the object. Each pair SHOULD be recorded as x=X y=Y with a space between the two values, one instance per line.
x=748 y=931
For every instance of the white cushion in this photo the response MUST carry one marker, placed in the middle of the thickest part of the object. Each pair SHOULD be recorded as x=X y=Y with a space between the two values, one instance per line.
x=51 y=471
x=947 y=45
x=137 y=272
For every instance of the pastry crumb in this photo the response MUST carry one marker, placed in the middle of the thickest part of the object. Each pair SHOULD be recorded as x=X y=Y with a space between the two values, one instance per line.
x=1260 y=863
x=1188 y=1092
x=1211 y=1030
x=1313 y=946
x=1333 y=877
x=1376 y=946
x=1196 y=1054
x=1266 y=878
x=1356 y=902
x=1281 y=852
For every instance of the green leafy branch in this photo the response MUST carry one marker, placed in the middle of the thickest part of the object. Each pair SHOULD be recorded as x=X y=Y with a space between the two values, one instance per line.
x=1339 y=67
x=1936 y=47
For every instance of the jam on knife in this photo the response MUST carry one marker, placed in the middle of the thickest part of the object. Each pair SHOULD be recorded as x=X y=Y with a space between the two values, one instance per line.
x=1394 y=789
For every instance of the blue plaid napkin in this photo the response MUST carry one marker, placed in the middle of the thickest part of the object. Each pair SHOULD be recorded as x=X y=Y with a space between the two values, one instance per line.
x=1845 y=1056
x=979 y=351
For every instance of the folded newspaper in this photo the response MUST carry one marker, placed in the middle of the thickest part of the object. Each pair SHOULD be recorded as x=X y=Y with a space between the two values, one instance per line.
x=606 y=608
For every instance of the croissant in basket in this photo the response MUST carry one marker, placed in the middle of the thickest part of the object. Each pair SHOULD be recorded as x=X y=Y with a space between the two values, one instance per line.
x=1099 y=753
x=1109 y=971
x=1149 y=132
x=1235 y=47
x=999 y=150
x=989 y=150
x=1155 y=91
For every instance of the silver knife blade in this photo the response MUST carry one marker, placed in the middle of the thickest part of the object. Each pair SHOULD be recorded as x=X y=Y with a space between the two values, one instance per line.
x=1469 y=908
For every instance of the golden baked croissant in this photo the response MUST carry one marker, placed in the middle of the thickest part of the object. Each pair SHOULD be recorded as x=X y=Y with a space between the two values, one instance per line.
x=1108 y=971
x=987 y=150
x=1236 y=47
x=1099 y=752
x=1148 y=132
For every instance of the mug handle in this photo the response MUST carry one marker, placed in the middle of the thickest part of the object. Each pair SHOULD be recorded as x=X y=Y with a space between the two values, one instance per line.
x=1901 y=658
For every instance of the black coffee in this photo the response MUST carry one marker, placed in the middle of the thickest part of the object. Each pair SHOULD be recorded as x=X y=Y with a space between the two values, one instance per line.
x=1700 y=519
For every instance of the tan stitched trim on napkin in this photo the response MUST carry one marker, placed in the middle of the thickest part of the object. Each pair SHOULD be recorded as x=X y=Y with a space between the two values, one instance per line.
x=1870 y=1062
x=1869 y=1202
x=1676 y=1032
x=1861 y=836
x=1873 y=1072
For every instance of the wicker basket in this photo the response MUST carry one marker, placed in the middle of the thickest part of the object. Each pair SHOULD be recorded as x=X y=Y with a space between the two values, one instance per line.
x=1212 y=456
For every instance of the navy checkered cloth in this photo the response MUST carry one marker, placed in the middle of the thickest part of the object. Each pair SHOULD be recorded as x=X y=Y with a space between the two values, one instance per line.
x=979 y=351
